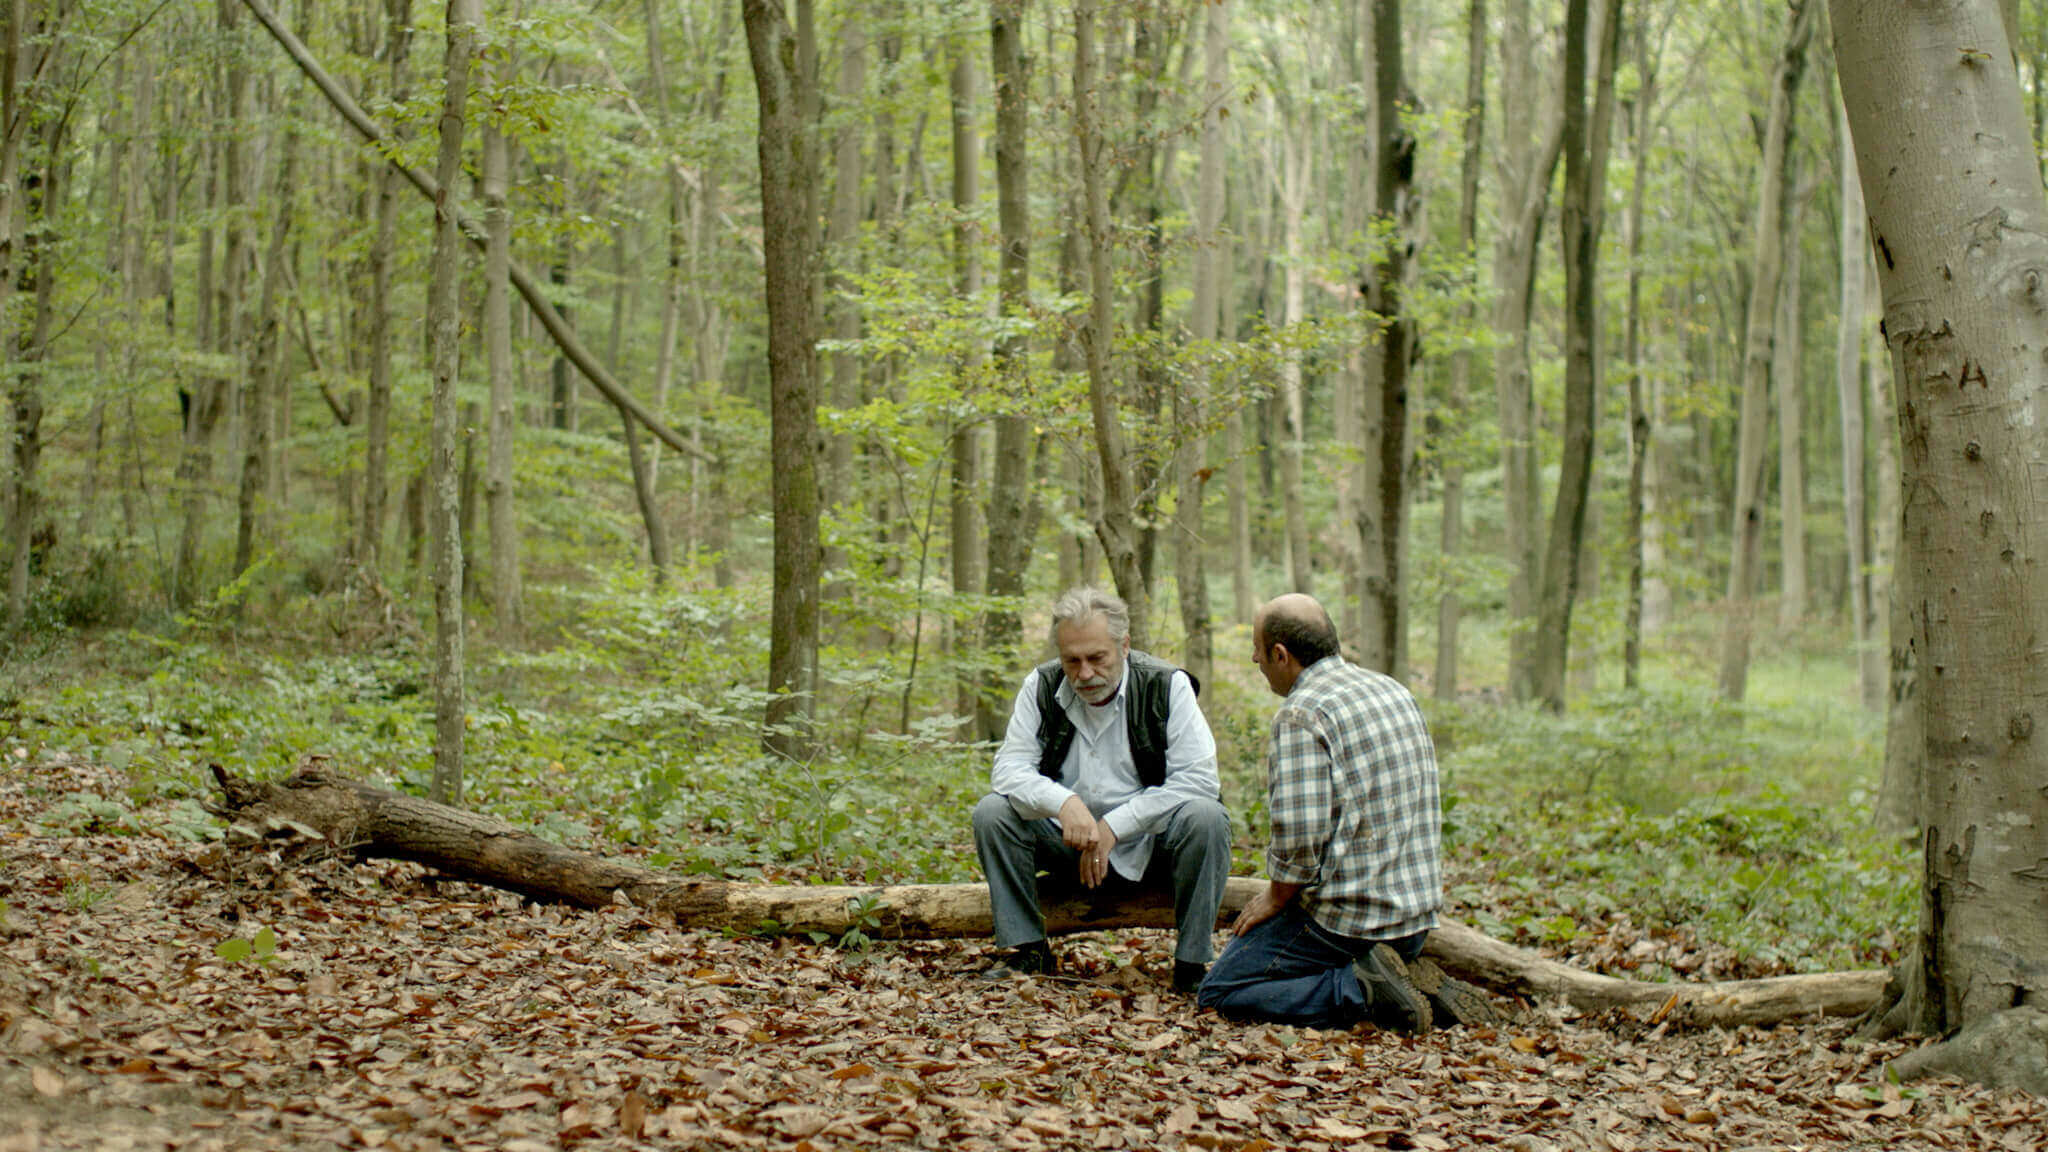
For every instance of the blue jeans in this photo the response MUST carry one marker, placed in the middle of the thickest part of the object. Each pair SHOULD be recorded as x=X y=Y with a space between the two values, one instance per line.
x=1291 y=970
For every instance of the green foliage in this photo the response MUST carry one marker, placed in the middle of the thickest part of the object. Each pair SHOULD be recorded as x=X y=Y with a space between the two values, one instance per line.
x=258 y=949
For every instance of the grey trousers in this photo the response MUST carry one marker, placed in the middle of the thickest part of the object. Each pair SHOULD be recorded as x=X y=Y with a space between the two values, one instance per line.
x=1192 y=856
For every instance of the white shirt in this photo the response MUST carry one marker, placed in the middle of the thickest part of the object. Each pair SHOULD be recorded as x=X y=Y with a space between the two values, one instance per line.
x=1099 y=768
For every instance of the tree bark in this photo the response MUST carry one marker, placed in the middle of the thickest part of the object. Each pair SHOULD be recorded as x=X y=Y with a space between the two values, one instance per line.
x=1789 y=393
x=1585 y=164
x=1296 y=175
x=1012 y=507
x=1115 y=522
x=1523 y=171
x=1641 y=408
x=323 y=810
x=789 y=233
x=1451 y=534
x=1766 y=263
x=369 y=542
x=260 y=390
x=1197 y=392
x=1960 y=234
x=1849 y=329
x=1382 y=511
x=444 y=327
x=968 y=546
x=500 y=494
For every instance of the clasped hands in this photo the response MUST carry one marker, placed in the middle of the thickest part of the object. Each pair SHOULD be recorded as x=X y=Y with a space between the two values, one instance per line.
x=1090 y=837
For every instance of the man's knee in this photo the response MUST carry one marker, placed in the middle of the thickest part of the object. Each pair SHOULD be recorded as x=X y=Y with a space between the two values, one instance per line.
x=994 y=814
x=1202 y=824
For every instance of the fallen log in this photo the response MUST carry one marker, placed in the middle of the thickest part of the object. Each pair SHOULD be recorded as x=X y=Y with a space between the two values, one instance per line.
x=370 y=822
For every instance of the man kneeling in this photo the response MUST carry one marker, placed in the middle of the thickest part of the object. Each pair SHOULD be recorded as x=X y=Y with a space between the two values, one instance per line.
x=1106 y=778
x=1355 y=882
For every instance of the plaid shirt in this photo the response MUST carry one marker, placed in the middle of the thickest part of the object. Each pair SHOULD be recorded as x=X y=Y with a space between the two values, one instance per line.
x=1351 y=782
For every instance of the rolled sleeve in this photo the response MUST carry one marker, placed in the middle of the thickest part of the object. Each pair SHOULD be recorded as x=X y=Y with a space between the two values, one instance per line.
x=1015 y=776
x=1190 y=767
x=1300 y=792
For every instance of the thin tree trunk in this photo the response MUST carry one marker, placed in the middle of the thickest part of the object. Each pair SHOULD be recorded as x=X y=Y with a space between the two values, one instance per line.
x=1191 y=459
x=500 y=494
x=1785 y=383
x=1586 y=134
x=1115 y=523
x=1297 y=174
x=968 y=547
x=1451 y=536
x=383 y=250
x=842 y=227
x=789 y=234
x=1641 y=406
x=261 y=386
x=1523 y=173
x=1766 y=264
x=1012 y=510
x=444 y=328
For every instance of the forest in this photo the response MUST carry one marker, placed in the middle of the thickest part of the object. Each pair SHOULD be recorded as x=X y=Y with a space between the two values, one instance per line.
x=656 y=431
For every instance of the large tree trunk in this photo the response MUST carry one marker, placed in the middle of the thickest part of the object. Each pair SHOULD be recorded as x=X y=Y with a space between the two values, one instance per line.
x=1766 y=264
x=1789 y=393
x=1012 y=509
x=260 y=391
x=1297 y=174
x=1451 y=533
x=1115 y=524
x=318 y=809
x=1585 y=165
x=1641 y=409
x=444 y=327
x=1960 y=234
x=789 y=236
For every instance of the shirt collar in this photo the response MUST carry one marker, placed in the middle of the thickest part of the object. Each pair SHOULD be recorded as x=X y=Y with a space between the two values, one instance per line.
x=1316 y=670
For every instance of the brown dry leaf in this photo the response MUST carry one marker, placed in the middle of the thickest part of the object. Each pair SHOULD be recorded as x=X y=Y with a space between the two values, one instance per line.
x=1236 y=1110
x=1182 y=1118
x=798 y=1120
x=48 y=1081
x=853 y=1071
x=633 y=1114
x=1340 y=1129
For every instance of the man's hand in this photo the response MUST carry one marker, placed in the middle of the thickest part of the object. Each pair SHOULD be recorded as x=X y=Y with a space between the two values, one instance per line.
x=1266 y=905
x=1077 y=824
x=1095 y=857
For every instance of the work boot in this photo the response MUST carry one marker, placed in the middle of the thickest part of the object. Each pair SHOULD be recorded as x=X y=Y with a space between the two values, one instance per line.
x=1391 y=999
x=1033 y=959
x=1187 y=976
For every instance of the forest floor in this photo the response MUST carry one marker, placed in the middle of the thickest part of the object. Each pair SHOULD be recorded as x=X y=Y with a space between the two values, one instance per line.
x=375 y=1007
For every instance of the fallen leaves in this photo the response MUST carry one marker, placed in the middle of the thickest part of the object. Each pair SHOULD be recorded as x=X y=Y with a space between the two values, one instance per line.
x=411 y=1017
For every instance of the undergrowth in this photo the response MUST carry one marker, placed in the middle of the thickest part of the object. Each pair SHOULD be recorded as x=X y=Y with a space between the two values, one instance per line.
x=634 y=732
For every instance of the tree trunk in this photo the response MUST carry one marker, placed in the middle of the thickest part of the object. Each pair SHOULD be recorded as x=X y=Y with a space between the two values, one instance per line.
x=1191 y=459
x=1297 y=174
x=1766 y=263
x=1960 y=234
x=1585 y=164
x=260 y=389
x=1115 y=523
x=1523 y=173
x=1849 y=328
x=1641 y=407
x=1790 y=394
x=968 y=548
x=322 y=810
x=1382 y=510
x=1451 y=536
x=789 y=238
x=500 y=498
x=842 y=230
x=444 y=329
x=383 y=250
x=1012 y=509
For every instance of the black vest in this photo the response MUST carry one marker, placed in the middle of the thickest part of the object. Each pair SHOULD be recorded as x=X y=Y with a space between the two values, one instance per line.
x=1147 y=700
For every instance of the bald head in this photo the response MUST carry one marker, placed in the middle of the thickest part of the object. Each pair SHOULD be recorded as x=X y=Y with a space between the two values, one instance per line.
x=1298 y=623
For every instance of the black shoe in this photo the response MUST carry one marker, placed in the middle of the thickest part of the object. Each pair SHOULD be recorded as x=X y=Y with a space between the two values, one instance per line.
x=1187 y=976
x=1033 y=959
x=1391 y=999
